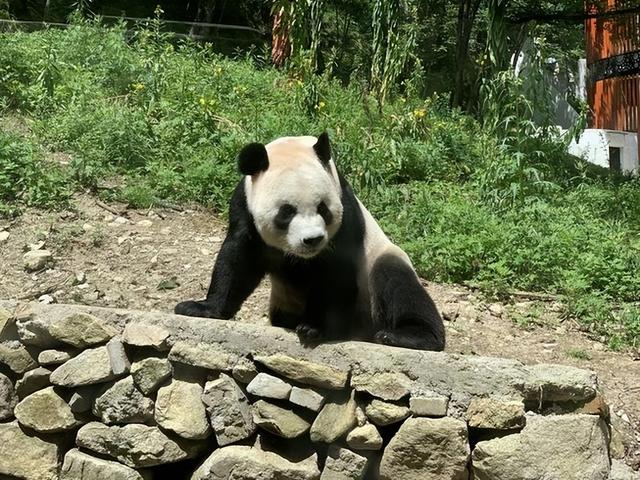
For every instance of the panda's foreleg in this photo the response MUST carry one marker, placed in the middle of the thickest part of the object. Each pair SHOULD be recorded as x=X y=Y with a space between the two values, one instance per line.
x=330 y=312
x=237 y=272
x=404 y=315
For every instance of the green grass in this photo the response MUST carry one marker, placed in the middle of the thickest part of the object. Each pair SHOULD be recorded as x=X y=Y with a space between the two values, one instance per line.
x=26 y=178
x=166 y=121
x=579 y=354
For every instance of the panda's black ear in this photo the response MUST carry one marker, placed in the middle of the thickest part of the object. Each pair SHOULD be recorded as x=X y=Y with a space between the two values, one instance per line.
x=323 y=148
x=253 y=159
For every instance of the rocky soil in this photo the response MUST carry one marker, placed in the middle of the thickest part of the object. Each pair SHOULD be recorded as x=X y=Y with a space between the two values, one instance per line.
x=107 y=255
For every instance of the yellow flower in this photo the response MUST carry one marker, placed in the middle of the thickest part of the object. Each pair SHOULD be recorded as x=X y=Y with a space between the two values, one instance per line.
x=218 y=71
x=137 y=86
x=202 y=101
x=419 y=112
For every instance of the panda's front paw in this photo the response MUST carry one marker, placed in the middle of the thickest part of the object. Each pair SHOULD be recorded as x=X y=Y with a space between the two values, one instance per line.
x=308 y=333
x=385 y=337
x=194 y=309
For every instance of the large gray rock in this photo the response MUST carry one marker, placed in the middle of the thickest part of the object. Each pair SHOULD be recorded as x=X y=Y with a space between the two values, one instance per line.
x=365 y=437
x=428 y=405
x=198 y=354
x=122 y=402
x=80 y=466
x=495 y=414
x=303 y=371
x=32 y=381
x=8 y=398
x=89 y=367
x=244 y=371
x=307 y=398
x=386 y=385
x=45 y=411
x=179 y=408
x=53 y=357
x=621 y=471
x=433 y=448
x=268 y=386
x=17 y=357
x=237 y=462
x=229 y=410
x=35 y=331
x=385 y=413
x=343 y=464
x=118 y=357
x=149 y=373
x=334 y=421
x=136 y=445
x=83 y=398
x=622 y=435
x=146 y=335
x=278 y=420
x=559 y=383
x=36 y=260
x=566 y=447
x=6 y=322
x=26 y=456
x=81 y=330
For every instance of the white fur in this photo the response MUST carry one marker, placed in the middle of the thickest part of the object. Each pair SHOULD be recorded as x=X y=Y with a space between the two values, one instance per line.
x=295 y=176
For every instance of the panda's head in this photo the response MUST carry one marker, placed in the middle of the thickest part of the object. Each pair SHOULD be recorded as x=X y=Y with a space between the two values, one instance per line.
x=293 y=193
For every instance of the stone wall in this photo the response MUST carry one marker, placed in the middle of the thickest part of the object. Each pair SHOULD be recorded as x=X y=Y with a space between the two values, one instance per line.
x=89 y=393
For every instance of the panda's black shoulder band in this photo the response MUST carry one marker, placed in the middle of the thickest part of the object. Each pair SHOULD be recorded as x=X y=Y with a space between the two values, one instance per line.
x=253 y=159
x=323 y=148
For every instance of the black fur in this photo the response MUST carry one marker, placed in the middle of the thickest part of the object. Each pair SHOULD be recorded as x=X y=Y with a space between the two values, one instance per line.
x=253 y=159
x=323 y=148
x=325 y=213
x=284 y=216
x=403 y=314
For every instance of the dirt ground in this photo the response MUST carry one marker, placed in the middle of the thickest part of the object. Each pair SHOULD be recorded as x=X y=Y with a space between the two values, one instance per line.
x=107 y=255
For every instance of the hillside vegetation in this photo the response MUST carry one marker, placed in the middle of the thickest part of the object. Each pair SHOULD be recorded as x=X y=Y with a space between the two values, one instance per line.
x=494 y=202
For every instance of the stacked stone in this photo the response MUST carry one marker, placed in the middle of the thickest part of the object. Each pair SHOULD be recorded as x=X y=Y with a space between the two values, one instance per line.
x=86 y=397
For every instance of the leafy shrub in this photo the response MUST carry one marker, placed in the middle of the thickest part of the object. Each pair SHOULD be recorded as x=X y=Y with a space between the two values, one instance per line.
x=25 y=178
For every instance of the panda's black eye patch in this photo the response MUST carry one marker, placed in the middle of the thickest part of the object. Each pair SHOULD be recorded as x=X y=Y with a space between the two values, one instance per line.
x=325 y=213
x=284 y=216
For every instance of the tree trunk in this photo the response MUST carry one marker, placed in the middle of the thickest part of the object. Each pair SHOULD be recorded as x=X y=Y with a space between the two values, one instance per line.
x=467 y=10
x=205 y=14
x=281 y=44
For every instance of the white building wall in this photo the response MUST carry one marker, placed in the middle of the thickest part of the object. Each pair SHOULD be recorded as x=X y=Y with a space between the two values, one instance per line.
x=594 y=145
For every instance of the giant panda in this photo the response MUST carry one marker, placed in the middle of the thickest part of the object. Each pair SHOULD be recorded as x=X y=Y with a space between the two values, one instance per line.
x=334 y=273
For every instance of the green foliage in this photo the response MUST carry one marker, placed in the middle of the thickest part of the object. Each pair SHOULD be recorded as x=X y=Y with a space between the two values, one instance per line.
x=26 y=178
x=495 y=201
x=579 y=354
x=393 y=40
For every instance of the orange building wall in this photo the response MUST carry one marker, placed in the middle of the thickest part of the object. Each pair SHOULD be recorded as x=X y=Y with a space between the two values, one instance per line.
x=615 y=102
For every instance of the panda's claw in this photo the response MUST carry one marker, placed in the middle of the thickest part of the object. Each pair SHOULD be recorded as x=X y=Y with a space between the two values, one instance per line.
x=193 y=309
x=308 y=333
x=384 y=337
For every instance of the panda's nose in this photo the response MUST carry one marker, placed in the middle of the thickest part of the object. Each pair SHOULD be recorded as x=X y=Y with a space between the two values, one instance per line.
x=313 y=241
